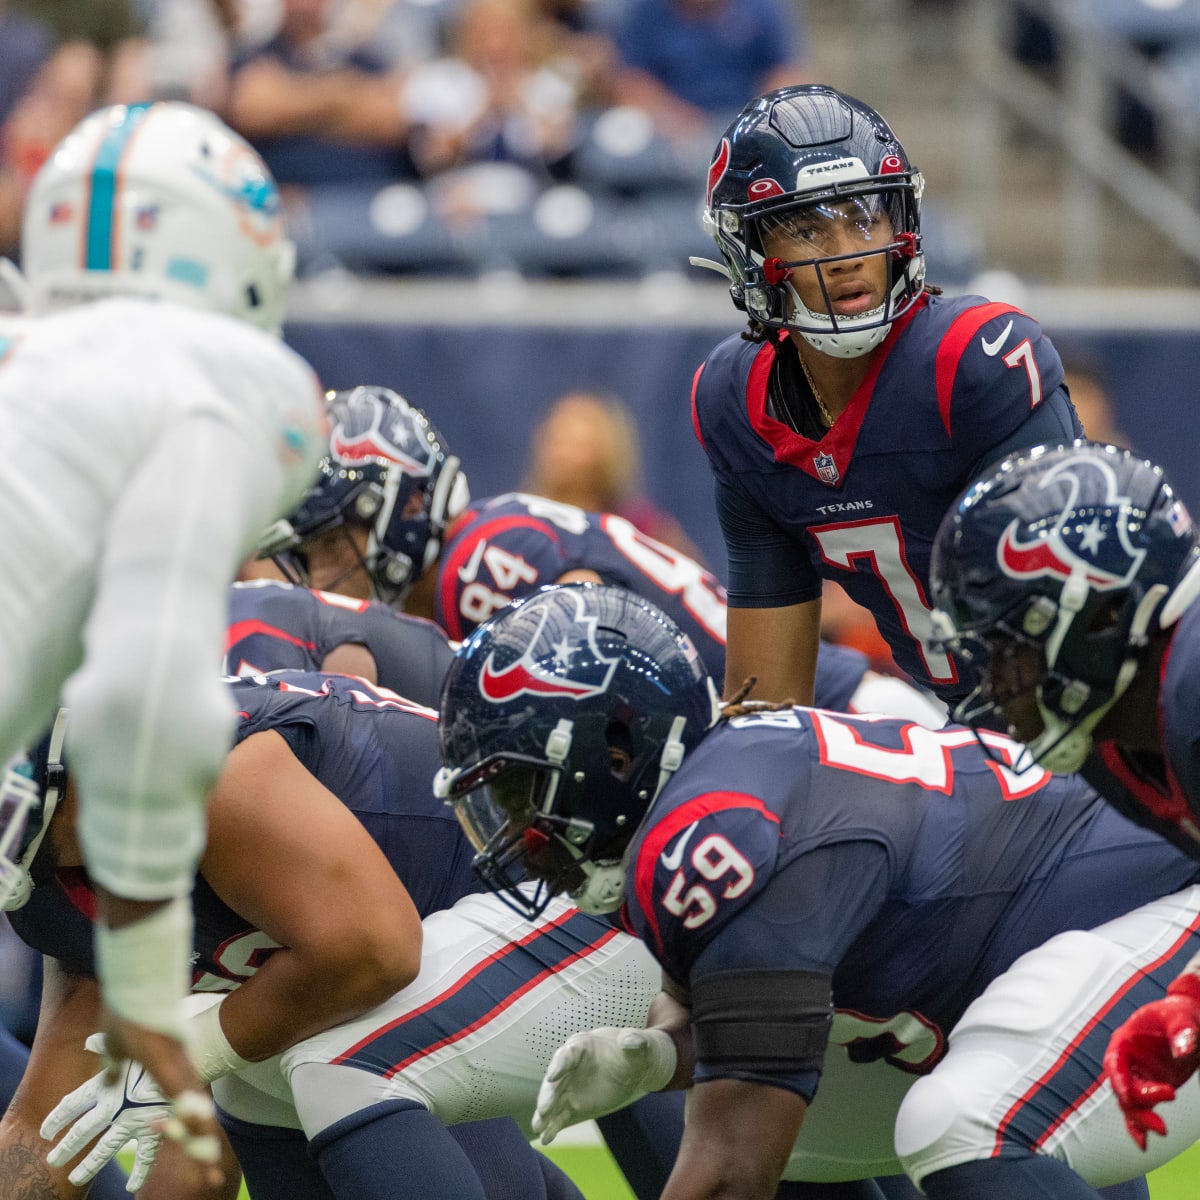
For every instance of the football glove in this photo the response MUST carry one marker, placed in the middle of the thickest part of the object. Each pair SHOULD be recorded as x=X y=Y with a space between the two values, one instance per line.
x=131 y=1108
x=598 y=1071
x=1154 y=1052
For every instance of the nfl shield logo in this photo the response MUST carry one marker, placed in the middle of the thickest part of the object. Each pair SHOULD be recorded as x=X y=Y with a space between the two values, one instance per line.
x=826 y=468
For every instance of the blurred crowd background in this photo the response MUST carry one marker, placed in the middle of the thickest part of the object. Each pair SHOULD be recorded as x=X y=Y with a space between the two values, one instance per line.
x=569 y=138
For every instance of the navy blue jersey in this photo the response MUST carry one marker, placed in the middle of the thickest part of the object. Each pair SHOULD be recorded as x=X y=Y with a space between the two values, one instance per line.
x=508 y=546
x=949 y=390
x=1162 y=791
x=274 y=626
x=376 y=752
x=901 y=862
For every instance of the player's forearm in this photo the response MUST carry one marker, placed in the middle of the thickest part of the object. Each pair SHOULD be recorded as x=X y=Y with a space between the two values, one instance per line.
x=295 y=995
x=24 y=1172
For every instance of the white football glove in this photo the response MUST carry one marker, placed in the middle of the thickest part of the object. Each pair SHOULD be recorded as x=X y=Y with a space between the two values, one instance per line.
x=131 y=1108
x=598 y=1071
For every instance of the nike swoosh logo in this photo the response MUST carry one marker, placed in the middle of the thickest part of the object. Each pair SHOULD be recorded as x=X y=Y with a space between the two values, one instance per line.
x=991 y=349
x=671 y=859
x=470 y=568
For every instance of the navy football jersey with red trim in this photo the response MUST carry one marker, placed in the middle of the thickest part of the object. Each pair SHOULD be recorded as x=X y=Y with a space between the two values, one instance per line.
x=953 y=381
x=1162 y=791
x=376 y=751
x=505 y=547
x=274 y=626
x=901 y=861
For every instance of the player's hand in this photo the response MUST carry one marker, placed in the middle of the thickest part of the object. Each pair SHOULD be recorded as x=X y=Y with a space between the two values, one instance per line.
x=122 y=1103
x=598 y=1071
x=192 y=1121
x=1152 y=1054
x=132 y=1107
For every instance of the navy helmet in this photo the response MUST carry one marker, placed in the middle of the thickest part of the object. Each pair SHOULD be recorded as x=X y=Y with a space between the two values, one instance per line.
x=30 y=790
x=388 y=470
x=1082 y=551
x=562 y=718
x=807 y=154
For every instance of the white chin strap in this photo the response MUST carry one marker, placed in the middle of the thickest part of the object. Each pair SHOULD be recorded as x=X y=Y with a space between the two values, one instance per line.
x=1064 y=750
x=603 y=887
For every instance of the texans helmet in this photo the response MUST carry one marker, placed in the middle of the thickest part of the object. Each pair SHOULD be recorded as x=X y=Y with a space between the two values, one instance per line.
x=30 y=790
x=388 y=471
x=1082 y=552
x=158 y=200
x=561 y=720
x=804 y=154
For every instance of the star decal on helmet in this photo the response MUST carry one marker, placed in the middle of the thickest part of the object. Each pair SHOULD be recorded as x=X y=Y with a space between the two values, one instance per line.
x=553 y=663
x=1079 y=542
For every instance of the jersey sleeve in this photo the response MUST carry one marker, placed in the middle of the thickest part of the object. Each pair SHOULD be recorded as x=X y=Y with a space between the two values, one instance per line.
x=697 y=868
x=1052 y=422
x=411 y=656
x=270 y=627
x=767 y=569
x=805 y=918
x=994 y=367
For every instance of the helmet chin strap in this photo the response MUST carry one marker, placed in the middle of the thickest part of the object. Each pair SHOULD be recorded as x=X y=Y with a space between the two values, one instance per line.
x=603 y=887
x=1066 y=747
x=1063 y=748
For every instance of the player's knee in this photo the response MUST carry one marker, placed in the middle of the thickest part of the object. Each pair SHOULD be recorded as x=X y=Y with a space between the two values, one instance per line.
x=935 y=1129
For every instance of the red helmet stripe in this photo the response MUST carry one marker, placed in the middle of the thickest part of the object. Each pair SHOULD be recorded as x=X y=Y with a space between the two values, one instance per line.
x=717 y=168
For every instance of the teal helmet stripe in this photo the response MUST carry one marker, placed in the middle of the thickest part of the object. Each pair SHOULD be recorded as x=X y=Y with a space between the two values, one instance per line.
x=102 y=193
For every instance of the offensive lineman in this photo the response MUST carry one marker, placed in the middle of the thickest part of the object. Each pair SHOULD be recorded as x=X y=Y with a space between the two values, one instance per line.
x=326 y=848
x=810 y=881
x=1072 y=576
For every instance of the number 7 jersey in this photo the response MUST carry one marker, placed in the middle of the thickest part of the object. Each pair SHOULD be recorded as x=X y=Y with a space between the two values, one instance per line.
x=954 y=384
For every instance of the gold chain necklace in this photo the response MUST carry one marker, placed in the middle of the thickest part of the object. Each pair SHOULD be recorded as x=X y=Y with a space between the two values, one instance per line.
x=825 y=415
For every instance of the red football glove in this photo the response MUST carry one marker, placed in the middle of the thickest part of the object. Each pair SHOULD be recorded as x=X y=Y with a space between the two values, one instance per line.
x=1153 y=1053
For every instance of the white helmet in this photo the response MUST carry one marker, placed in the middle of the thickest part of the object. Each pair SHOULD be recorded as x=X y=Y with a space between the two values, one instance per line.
x=159 y=200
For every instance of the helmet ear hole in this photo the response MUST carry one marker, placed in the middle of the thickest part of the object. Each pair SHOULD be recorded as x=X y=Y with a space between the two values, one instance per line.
x=1105 y=617
x=620 y=749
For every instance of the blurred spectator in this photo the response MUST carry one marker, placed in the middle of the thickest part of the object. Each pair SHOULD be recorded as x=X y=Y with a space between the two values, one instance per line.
x=114 y=29
x=589 y=53
x=191 y=45
x=25 y=45
x=1092 y=402
x=317 y=107
x=62 y=93
x=502 y=95
x=693 y=64
x=585 y=451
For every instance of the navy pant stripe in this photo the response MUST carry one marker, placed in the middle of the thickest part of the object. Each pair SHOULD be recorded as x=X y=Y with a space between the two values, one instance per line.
x=474 y=999
x=1078 y=1071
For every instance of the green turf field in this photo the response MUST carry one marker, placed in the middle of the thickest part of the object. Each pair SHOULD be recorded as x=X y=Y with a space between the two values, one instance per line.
x=598 y=1178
